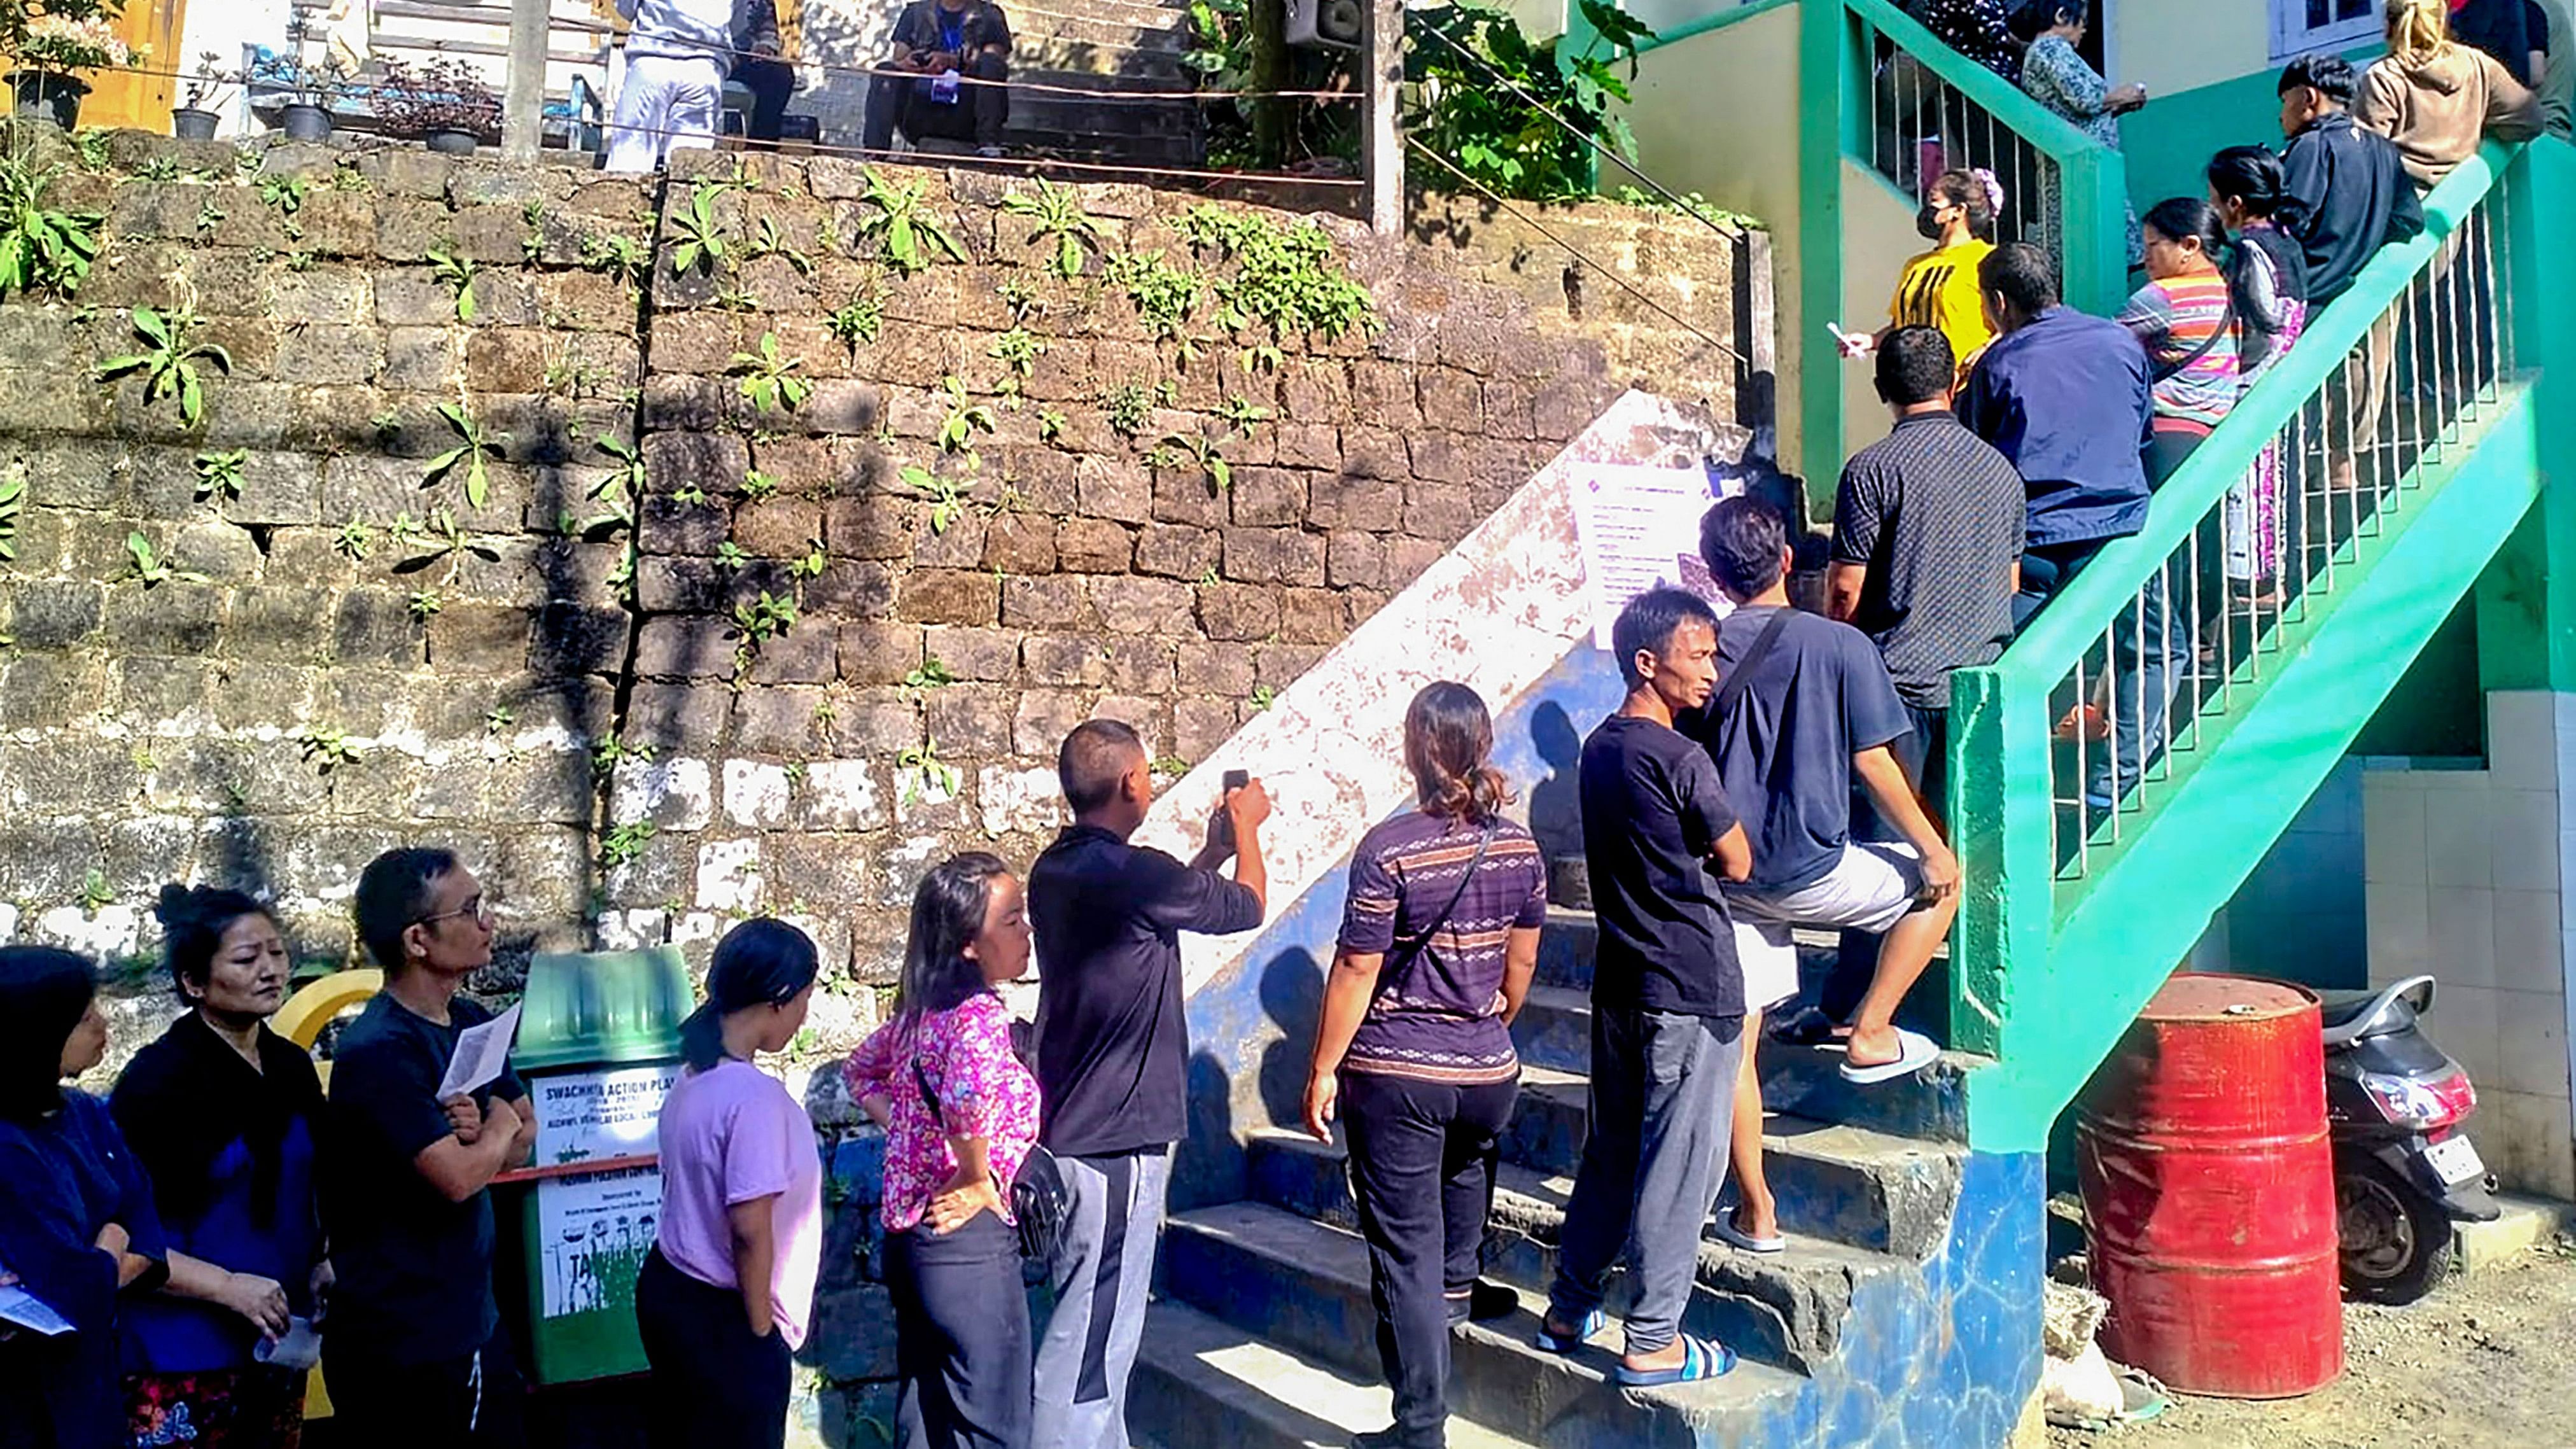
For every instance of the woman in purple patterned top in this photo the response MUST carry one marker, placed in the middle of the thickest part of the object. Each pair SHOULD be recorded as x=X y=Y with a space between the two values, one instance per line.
x=1439 y=941
x=960 y=1112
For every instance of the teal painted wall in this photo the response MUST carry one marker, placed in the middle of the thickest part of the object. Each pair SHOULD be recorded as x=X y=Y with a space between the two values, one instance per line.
x=2170 y=142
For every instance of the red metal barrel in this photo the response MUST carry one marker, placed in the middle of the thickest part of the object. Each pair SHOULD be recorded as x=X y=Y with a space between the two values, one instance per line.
x=2209 y=1186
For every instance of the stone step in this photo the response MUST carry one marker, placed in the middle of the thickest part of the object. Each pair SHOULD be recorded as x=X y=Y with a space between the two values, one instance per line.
x=1095 y=62
x=1850 y=1185
x=1304 y=1287
x=1565 y=960
x=1554 y=1031
x=1194 y=1372
x=1782 y=1308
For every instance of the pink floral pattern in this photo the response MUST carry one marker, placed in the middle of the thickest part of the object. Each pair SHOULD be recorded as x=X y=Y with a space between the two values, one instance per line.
x=983 y=1091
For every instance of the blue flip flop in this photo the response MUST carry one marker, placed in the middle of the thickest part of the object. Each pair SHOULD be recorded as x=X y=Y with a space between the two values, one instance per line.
x=1593 y=1322
x=1702 y=1358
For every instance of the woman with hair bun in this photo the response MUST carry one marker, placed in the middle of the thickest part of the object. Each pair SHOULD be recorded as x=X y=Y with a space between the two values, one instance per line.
x=724 y=1296
x=226 y=1117
x=1938 y=288
x=1414 y=1050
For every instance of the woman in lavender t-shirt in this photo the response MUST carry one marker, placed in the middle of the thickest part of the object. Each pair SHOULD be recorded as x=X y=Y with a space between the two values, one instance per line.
x=960 y=1113
x=724 y=1296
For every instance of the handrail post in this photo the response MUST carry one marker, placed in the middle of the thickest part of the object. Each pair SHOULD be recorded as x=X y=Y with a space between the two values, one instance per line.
x=1826 y=97
x=1382 y=144
x=2094 y=184
x=523 y=102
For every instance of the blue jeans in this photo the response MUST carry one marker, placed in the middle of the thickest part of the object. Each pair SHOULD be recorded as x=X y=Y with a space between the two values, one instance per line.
x=2149 y=654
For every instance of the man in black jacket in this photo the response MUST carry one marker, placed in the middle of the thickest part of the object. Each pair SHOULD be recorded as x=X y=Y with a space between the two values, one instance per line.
x=947 y=77
x=2348 y=195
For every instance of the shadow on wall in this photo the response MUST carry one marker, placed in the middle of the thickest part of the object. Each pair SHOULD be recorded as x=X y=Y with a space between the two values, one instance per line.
x=1210 y=1165
x=1555 y=802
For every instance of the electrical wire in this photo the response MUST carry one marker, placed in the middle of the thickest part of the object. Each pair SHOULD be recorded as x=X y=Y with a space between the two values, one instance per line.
x=1577 y=253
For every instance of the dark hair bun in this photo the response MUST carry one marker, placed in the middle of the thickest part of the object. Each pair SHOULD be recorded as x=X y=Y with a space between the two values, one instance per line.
x=179 y=906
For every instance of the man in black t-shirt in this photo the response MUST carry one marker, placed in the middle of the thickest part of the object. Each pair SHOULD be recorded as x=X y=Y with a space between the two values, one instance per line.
x=1667 y=999
x=414 y=1351
x=1814 y=714
x=1113 y=1051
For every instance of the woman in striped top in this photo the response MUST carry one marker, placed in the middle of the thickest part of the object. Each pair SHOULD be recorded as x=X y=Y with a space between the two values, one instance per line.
x=1439 y=941
x=2192 y=319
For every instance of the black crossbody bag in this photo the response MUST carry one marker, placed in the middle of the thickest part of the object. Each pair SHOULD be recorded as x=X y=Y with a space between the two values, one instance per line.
x=1040 y=1201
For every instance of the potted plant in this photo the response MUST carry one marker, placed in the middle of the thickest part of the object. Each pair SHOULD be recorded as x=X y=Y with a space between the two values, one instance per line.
x=47 y=47
x=194 y=118
x=443 y=103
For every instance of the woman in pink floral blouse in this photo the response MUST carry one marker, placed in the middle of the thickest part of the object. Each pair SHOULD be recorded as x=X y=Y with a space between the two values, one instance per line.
x=960 y=1113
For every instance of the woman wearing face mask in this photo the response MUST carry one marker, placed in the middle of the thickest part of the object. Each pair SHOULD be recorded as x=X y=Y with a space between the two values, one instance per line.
x=724 y=1297
x=224 y=1115
x=960 y=1114
x=77 y=1226
x=1938 y=288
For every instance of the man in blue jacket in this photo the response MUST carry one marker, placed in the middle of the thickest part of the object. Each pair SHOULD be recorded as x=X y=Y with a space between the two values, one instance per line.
x=2064 y=397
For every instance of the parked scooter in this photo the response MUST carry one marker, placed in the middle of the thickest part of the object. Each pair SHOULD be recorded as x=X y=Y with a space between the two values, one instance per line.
x=2404 y=1170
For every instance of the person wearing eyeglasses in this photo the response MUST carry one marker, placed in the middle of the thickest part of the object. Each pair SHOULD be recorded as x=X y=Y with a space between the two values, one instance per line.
x=414 y=1353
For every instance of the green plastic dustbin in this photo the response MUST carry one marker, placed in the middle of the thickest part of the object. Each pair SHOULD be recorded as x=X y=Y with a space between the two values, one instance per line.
x=598 y=1046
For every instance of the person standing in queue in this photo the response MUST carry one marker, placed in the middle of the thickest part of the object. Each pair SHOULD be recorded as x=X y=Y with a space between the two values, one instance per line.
x=77 y=1226
x=960 y=1114
x=226 y=1117
x=1113 y=1053
x=1414 y=1048
x=724 y=1297
x=415 y=1355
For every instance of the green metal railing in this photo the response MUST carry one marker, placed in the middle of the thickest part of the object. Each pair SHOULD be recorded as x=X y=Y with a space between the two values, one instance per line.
x=2091 y=863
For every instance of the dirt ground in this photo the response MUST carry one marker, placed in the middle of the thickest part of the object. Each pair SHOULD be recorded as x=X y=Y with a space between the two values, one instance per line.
x=2486 y=1362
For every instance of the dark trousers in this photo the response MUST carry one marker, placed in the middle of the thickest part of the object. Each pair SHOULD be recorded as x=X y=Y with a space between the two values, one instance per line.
x=472 y=1402
x=714 y=1386
x=1422 y=1167
x=962 y=1336
x=770 y=82
x=895 y=100
x=1924 y=753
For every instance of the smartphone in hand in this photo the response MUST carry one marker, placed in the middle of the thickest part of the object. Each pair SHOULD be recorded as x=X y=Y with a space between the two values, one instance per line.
x=1222 y=828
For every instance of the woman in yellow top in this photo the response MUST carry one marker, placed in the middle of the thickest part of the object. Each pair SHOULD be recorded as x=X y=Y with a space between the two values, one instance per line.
x=1938 y=289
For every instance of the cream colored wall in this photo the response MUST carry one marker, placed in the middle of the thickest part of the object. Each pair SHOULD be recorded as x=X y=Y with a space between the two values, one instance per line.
x=2171 y=46
x=1878 y=239
x=1539 y=19
x=1718 y=114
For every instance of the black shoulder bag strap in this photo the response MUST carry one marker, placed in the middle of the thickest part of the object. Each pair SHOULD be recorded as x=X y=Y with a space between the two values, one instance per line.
x=1422 y=939
x=2227 y=326
x=1740 y=678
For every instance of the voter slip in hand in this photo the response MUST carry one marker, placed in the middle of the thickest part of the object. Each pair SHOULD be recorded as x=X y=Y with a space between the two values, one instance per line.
x=482 y=1054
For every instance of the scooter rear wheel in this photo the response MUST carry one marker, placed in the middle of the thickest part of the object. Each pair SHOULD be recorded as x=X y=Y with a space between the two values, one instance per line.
x=2395 y=1242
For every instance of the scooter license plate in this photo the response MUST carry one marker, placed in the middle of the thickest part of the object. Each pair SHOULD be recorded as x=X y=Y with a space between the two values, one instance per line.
x=2454 y=1160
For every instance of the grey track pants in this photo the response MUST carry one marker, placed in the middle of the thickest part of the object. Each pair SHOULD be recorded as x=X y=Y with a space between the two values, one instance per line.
x=1101 y=1278
x=1663 y=1092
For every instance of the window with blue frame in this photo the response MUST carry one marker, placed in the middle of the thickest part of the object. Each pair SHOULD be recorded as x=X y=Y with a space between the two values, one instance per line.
x=2300 y=26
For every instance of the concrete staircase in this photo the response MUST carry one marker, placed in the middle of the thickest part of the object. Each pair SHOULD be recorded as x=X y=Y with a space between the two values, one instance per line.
x=1128 y=55
x=1265 y=1335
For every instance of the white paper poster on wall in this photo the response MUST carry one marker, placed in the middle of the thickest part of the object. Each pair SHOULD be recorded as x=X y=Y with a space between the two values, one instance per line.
x=1639 y=527
x=597 y=1227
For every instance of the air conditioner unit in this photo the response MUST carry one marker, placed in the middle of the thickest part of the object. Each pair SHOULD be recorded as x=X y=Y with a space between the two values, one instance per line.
x=1336 y=24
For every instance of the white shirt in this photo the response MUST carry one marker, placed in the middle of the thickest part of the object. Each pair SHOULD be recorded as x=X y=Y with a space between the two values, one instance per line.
x=680 y=29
